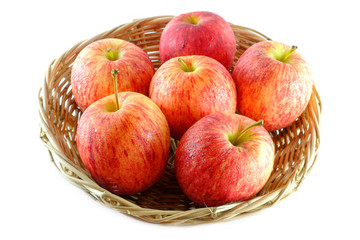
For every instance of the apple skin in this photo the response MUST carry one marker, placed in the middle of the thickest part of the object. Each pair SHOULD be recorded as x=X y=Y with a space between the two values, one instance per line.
x=185 y=97
x=210 y=36
x=211 y=171
x=275 y=91
x=126 y=151
x=91 y=72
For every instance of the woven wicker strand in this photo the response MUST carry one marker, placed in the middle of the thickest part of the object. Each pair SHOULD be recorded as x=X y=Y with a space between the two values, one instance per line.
x=296 y=146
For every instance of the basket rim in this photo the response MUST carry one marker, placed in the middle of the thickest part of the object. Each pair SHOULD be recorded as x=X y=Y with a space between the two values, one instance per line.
x=75 y=174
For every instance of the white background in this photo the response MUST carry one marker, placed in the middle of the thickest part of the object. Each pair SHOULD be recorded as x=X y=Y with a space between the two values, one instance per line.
x=36 y=202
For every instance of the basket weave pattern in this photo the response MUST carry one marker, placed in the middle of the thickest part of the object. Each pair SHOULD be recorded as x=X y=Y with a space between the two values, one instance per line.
x=296 y=146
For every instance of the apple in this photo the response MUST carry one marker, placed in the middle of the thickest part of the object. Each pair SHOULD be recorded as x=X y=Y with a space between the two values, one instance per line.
x=198 y=33
x=91 y=72
x=124 y=142
x=274 y=83
x=190 y=87
x=224 y=158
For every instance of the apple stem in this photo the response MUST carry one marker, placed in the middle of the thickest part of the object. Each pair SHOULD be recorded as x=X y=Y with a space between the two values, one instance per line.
x=184 y=65
x=256 y=124
x=293 y=48
x=114 y=74
x=110 y=54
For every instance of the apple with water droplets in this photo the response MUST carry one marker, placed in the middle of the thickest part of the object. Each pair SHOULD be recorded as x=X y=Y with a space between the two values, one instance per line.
x=273 y=83
x=91 y=72
x=124 y=141
x=190 y=87
x=224 y=158
x=198 y=33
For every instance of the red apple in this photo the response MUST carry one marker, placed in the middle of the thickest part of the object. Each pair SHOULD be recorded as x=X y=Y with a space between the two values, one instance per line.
x=191 y=87
x=224 y=158
x=91 y=73
x=274 y=83
x=125 y=150
x=199 y=33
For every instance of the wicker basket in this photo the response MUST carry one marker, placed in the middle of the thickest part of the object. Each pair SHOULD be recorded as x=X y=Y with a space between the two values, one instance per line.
x=296 y=146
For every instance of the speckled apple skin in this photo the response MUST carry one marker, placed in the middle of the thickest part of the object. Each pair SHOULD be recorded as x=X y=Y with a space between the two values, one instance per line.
x=271 y=90
x=125 y=151
x=91 y=77
x=212 y=37
x=186 y=97
x=211 y=171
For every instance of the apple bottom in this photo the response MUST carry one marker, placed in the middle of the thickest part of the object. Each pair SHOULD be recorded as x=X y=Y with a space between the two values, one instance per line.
x=125 y=150
x=212 y=171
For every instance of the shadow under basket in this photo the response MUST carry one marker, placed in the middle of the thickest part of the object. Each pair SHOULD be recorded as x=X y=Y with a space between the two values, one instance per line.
x=296 y=146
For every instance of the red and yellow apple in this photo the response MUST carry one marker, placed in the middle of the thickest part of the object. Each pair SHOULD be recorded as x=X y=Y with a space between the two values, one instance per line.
x=223 y=158
x=198 y=33
x=273 y=82
x=190 y=87
x=91 y=72
x=126 y=149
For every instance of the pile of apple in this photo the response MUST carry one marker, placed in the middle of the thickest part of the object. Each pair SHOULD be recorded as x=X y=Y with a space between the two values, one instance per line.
x=222 y=119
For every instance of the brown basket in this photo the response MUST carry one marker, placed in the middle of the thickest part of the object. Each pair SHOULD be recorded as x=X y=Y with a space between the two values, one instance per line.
x=296 y=145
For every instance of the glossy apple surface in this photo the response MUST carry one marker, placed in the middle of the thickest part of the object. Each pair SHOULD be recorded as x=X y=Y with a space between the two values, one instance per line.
x=274 y=83
x=216 y=162
x=125 y=150
x=91 y=72
x=190 y=90
x=199 y=33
